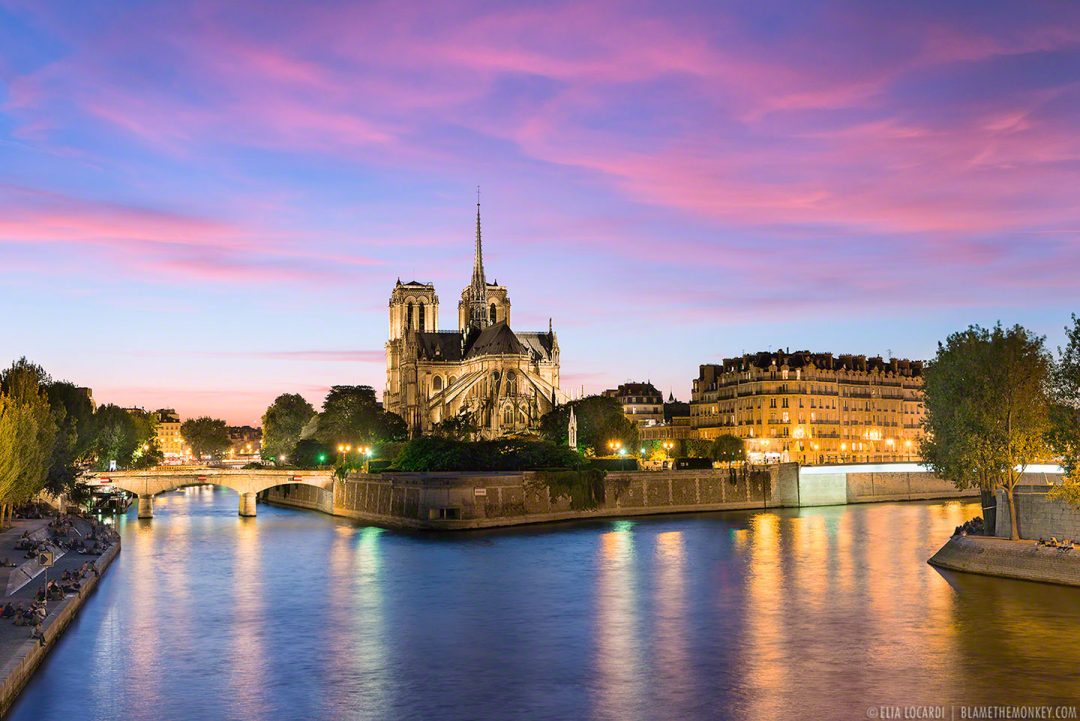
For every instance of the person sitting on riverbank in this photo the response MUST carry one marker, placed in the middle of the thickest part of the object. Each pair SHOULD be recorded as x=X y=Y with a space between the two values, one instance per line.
x=8 y=611
x=21 y=615
x=38 y=633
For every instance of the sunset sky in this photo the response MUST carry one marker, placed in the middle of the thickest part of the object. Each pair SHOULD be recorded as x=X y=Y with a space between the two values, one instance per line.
x=206 y=204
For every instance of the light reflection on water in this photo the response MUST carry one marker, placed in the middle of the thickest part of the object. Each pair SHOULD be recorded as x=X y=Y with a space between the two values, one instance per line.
x=817 y=613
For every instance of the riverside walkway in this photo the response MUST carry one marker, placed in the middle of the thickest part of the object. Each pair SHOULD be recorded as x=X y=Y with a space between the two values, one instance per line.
x=20 y=652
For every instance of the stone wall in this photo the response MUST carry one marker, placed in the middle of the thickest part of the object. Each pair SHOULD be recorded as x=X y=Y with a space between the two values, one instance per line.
x=477 y=500
x=1039 y=516
x=999 y=557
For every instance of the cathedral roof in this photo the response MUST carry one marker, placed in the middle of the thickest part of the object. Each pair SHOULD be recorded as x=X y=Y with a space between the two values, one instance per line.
x=541 y=345
x=442 y=345
x=496 y=339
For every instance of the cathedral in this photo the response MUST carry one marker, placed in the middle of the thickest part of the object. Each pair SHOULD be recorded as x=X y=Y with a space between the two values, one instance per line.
x=508 y=380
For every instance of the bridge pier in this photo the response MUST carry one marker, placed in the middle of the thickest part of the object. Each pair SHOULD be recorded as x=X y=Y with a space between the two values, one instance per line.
x=247 y=504
x=146 y=505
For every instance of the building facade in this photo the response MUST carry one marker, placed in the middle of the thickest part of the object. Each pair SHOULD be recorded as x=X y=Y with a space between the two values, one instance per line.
x=169 y=440
x=812 y=407
x=642 y=404
x=506 y=379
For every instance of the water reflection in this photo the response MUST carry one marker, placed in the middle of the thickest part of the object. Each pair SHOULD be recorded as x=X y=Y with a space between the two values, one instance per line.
x=818 y=613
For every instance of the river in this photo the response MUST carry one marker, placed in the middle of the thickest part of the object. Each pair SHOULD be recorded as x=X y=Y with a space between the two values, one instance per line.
x=815 y=613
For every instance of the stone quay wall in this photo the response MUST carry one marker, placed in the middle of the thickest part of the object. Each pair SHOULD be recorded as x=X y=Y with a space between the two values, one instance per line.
x=1024 y=560
x=16 y=670
x=1039 y=516
x=481 y=500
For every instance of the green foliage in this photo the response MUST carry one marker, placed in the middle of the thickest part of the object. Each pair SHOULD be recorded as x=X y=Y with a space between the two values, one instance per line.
x=695 y=448
x=352 y=415
x=613 y=464
x=28 y=429
x=114 y=436
x=283 y=422
x=1064 y=434
x=585 y=487
x=206 y=436
x=600 y=420
x=462 y=427
x=310 y=453
x=74 y=415
x=505 y=454
x=986 y=407
x=728 y=449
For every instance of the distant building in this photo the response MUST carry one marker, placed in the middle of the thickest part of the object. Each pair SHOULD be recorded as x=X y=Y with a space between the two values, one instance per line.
x=812 y=407
x=508 y=379
x=89 y=393
x=642 y=404
x=675 y=425
x=245 y=442
x=169 y=439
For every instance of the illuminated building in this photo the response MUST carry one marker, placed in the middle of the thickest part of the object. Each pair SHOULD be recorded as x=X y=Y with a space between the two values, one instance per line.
x=812 y=407
x=642 y=404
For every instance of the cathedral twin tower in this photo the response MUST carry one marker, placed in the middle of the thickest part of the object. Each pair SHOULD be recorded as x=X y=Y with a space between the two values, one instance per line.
x=505 y=380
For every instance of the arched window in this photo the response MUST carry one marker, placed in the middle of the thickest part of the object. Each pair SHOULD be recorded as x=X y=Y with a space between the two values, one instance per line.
x=492 y=313
x=511 y=383
x=421 y=316
x=508 y=416
x=436 y=383
x=408 y=316
x=451 y=381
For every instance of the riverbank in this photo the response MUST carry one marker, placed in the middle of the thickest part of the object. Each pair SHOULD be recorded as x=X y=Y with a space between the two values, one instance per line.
x=462 y=500
x=1023 y=560
x=20 y=653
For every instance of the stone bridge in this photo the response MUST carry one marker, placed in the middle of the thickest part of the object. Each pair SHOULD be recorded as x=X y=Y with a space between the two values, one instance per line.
x=148 y=483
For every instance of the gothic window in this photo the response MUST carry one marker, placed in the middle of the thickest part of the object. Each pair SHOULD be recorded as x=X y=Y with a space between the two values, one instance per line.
x=508 y=416
x=492 y=313
x=436 y=383
x=451 y=381
x=421 y=317
x=511 y=384
x=408 y=316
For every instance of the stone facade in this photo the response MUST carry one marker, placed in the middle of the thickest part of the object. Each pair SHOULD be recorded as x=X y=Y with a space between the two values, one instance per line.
x=642 y=403
x=812 y=408
x=506 y=379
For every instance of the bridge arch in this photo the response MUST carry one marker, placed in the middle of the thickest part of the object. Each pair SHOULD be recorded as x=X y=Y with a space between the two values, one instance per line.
x=246 y=482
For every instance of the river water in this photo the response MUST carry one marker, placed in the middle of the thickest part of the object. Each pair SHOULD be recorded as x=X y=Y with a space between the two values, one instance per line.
x=815 y=613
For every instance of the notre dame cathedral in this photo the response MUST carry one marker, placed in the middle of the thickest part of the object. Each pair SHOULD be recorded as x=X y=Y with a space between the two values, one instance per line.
x=507 y=380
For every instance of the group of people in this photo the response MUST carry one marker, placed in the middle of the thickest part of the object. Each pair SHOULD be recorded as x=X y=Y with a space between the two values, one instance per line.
x=72 y=533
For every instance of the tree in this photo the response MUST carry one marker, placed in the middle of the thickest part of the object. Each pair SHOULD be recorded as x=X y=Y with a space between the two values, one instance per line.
x=309 y=453
x=728 y=449
x=114 y=436
x=283 y=422
x=351 y=415
x=462 y=427
x=206 y=436
x=600 y=421
x=1064 y=435
x=987 y=409
x=74 y=415
x=27 y=433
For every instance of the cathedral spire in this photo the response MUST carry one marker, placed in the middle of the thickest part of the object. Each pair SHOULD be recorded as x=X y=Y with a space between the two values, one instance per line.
x=478 y=315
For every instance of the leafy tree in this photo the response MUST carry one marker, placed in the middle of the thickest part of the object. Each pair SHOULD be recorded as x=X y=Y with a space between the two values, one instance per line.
x=696 y=448
x=1064 y=436
x=206 y=436
x=462 y=427
x=431 y=453
x=27 y=433
x=728 y=449
x=600 y=420
x=351 y=414
x=74 y=415
x=147 y=453
x=987 y=409
x=310 y=453
x=283 y=423
x=115 y=437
